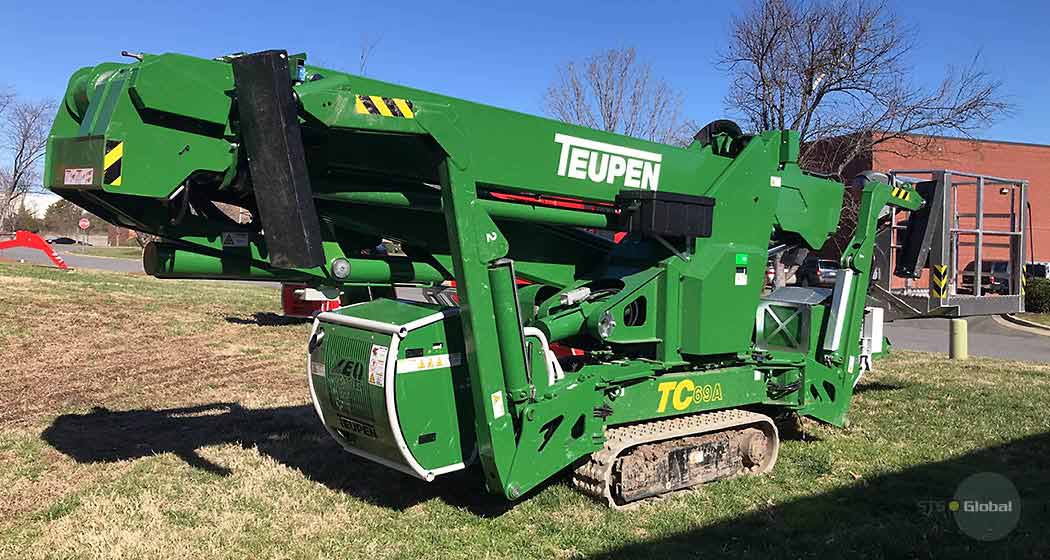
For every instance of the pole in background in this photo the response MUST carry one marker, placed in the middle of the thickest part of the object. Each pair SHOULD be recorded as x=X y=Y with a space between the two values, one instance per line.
x=958 y=348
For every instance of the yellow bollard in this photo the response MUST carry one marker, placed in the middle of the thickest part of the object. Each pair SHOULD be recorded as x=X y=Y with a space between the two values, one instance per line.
x=957 y=343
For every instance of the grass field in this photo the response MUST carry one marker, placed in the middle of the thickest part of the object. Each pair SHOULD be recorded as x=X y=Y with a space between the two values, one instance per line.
x=170 y=420
x=1041 y=318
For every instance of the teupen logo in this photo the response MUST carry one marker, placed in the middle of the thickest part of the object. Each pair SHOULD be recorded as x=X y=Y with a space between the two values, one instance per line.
x=600 y=162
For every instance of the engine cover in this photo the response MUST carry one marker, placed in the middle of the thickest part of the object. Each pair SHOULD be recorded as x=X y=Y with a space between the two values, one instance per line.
x=394 y=393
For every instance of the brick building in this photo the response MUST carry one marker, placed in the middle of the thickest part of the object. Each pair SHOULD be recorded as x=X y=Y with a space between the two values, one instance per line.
x=1012 y=160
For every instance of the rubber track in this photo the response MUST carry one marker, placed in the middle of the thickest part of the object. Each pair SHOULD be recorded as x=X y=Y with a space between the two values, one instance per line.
x=594 y=477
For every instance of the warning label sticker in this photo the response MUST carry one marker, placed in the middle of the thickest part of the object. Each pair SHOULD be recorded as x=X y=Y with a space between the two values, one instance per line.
x=377 y=365
x=424 y=363
x=79 y=176
x=236 y=238
x=498 y=409
x=740 y=279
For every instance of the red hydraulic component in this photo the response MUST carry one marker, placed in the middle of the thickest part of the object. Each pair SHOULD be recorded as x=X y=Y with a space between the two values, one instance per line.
x=300 y=300
x=31 y=240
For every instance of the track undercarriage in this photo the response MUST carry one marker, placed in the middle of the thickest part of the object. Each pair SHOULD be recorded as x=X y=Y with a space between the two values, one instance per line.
x=648 y=460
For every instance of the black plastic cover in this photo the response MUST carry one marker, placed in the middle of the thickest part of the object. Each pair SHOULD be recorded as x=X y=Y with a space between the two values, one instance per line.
x=665 y=214
x=269 y=129
x=922 y=223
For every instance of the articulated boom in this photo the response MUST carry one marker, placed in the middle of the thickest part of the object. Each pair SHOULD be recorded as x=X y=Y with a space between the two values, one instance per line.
x=562 y=348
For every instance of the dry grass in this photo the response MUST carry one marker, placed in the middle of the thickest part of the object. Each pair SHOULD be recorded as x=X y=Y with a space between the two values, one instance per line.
x=149 y=419
x=1041 y=318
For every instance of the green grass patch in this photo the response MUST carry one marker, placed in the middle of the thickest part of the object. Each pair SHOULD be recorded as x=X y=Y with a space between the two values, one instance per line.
x=133 y=253
x=183 y=430
x=58 y=509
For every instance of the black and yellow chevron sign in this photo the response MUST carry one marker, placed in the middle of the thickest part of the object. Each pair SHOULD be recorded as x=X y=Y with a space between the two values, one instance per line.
x=111 y=163
x=901 y=193
x=384 y=106
x=939 y=281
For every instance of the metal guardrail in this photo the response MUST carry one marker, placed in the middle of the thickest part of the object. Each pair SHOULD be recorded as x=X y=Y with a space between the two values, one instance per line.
x=945 y=290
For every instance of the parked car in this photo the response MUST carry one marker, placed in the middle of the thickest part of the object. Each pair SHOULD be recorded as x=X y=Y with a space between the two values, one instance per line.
x=1037 y=270
x=995 y=278
x=817 y=272
x=66 y=241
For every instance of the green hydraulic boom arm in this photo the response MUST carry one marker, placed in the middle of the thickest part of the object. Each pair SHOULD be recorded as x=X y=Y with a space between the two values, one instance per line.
x=565 y=348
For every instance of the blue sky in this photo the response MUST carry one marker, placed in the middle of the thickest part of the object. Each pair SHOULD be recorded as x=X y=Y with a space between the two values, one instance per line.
x=502 y=53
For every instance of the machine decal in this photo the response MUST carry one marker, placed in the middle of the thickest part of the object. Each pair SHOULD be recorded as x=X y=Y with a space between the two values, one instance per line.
x=682 y=394
x=356 y=427
x=497 y=404
x=236 y=239
x=78 y=176
x=740 y=279
x=900 y=193
x=112 y=163
x=600 y=162
x=377 y=365
x=939 y=281
x=424 y=363
x=384 y=106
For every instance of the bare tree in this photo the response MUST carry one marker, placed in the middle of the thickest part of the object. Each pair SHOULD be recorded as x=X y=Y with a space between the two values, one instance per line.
x=837 y=71
x=6 y=98
x=23 y=134
x=615 y=92
x=368 y=44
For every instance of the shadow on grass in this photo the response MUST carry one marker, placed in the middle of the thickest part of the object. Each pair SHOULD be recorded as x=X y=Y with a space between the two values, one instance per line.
x=292 y=435
x=261 y=319
x=896 y=515
x=878 y=517
x=877 y=387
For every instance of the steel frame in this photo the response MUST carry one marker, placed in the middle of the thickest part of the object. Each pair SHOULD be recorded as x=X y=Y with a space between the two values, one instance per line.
x=916 y=299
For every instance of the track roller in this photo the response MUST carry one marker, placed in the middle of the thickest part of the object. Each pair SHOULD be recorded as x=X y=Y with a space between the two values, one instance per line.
x=650 y=459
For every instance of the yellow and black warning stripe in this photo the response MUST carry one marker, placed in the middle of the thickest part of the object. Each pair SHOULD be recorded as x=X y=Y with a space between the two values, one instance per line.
x=111 y=163
x=901 y=193
x=384 y=106
x=939 y=281
x=1024 y=283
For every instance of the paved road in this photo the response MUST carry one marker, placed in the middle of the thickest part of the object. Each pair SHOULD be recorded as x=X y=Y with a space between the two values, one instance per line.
x=73 y=259
x=987 y=337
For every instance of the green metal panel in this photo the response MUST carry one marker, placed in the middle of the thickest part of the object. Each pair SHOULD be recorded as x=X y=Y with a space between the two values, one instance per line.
x=356 y=406
x=686 y=393
x=433 y=395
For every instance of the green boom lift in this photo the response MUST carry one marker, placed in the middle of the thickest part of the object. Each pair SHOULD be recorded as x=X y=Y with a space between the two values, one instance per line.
x=646 y=366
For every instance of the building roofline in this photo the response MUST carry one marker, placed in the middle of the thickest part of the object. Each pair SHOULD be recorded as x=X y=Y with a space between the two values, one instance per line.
x=987 y=140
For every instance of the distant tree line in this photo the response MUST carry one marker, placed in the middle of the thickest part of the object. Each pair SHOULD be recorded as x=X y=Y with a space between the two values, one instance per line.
x=62 y=217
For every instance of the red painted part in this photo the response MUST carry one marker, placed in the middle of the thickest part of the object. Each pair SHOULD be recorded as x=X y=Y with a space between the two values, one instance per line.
x=551 y=201
x=31 y=240
x=295 y=307
x=562 y=351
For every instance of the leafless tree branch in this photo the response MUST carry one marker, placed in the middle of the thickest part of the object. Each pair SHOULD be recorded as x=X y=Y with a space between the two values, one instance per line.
x=615 y=92
x=837 y=72
x=368 y=45
x=24 y=127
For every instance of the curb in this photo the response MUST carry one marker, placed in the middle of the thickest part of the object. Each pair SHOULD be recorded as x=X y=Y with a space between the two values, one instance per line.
x=1020 y=324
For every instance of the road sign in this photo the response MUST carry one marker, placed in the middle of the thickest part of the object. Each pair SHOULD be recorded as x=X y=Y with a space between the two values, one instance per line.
x=84 y=223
